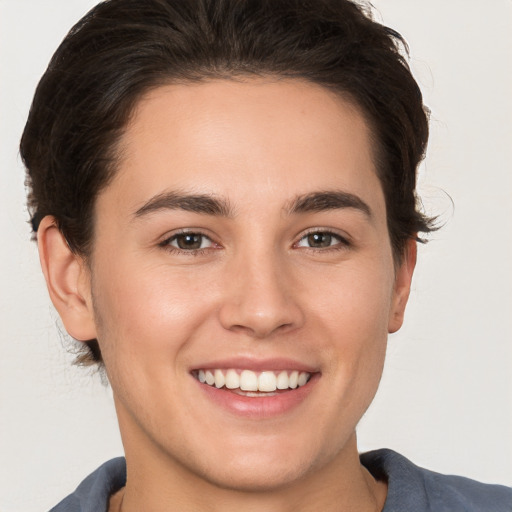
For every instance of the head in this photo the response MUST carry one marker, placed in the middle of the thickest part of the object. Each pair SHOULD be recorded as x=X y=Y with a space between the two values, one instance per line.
x=82 y=105
x=132 y=72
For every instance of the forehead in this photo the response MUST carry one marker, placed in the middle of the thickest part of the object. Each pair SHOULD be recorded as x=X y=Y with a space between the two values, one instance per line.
x=251 y=141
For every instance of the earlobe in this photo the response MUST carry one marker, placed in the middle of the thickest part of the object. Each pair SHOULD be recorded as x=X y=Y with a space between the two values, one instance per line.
x=68 y=281
x=402 y=286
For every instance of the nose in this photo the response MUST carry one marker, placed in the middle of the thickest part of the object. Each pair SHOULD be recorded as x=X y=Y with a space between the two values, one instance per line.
x=260 y=297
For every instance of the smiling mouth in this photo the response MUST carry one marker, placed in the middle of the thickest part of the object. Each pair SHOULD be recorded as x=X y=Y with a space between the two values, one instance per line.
x=252 y=384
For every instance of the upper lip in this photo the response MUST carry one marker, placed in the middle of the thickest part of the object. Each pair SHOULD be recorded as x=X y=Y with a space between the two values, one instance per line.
x=256 y=364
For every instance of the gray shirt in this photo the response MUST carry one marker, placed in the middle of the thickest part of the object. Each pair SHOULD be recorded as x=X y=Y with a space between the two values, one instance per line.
x=410 y=488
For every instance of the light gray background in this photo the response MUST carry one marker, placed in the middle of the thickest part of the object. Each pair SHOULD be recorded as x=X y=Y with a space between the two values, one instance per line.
x=446 y=397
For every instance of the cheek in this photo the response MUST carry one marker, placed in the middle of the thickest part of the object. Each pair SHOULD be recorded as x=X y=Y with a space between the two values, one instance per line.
x=354 y=308
x=144 y=315
x=355 y=300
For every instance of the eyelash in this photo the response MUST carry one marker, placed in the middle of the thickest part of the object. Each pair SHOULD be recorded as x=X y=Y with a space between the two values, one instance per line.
x=342 y=242
x=166 y=244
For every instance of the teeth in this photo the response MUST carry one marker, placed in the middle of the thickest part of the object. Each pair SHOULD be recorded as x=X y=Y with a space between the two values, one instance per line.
x=219 y=379
x=267 y=381
x=294 y=380
x=232 y=380
x=249 y=381
x=303 y=378
x=283 y=382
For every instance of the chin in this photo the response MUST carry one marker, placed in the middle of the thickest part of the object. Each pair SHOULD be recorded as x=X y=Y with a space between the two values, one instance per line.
x=249 y=475
x=262 y=464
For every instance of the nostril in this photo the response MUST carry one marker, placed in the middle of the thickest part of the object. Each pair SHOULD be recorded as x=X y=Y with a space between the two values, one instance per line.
x=260 y=322
x=260 y=330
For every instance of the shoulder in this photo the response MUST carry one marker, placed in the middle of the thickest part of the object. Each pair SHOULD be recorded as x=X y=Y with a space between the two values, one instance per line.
x=419 y=490
x=93 y=494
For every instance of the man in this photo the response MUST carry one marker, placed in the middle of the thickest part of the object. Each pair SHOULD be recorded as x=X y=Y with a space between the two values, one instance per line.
x=223 y=195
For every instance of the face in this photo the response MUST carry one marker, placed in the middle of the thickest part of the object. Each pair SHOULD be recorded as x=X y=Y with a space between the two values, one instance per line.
x=244 y=242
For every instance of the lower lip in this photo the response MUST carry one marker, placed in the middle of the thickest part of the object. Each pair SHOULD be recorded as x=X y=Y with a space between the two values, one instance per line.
x=259 y=407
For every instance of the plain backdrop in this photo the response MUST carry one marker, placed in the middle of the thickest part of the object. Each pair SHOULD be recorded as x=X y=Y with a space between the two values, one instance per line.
x=445 y=400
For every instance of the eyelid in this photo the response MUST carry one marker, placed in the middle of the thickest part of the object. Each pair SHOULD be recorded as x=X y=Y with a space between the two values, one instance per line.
x=168 y=237
x=344 y=239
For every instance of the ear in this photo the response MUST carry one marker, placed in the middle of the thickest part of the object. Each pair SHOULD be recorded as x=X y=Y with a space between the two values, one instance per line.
x=402 y=287
x=68 y=281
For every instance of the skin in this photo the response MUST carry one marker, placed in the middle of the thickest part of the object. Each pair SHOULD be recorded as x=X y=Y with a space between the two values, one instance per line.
x=257 y=289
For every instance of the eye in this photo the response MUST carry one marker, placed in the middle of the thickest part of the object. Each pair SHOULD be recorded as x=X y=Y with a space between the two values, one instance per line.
x=188 y=242
x=321 y=240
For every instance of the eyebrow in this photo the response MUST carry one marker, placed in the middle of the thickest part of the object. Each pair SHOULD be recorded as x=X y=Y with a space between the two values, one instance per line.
x=328 y=200
x=197 y=203
x=206 y=204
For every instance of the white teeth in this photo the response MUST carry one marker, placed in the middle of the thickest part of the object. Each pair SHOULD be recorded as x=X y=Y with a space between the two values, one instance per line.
x=294 y=379
x=267 y=381
x=249 y=381
x=303 y=378
x=232 y=379
x=219 y=379
x=283 y=382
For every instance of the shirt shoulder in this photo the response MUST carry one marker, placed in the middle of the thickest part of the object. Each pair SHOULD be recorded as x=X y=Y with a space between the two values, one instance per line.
x=93 y=494
x=416 y=489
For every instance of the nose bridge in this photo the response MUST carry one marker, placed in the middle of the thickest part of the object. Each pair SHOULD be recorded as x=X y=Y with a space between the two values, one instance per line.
x=260 y=298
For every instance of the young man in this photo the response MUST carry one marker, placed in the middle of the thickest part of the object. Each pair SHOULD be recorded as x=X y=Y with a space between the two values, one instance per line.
x=224 y=199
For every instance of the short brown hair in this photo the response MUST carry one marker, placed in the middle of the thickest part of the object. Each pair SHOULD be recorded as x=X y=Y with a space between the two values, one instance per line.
x=123 y=48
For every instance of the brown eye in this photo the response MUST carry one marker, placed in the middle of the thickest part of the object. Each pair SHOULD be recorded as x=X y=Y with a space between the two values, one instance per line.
x=189 y=241
x=321 y=240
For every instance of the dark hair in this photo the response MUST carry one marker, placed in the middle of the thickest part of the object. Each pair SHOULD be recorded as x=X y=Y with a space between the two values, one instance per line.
x=123 y=48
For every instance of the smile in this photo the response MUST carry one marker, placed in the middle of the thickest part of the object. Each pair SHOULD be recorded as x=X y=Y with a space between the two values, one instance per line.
x=252 y=383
